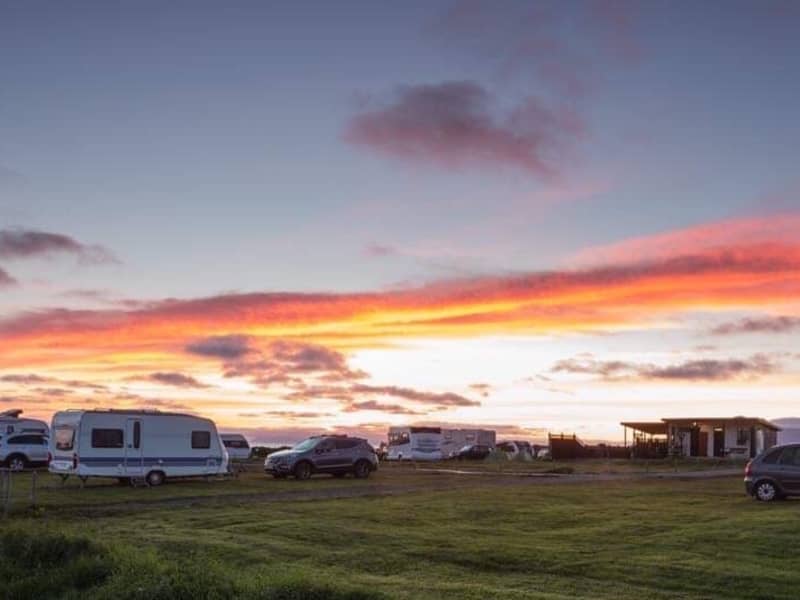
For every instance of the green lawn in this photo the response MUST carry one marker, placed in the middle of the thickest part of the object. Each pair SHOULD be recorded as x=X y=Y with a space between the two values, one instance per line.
x=621 y=539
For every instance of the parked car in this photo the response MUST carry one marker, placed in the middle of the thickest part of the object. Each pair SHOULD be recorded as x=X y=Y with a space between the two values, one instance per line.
x=23 y=450
x=774 y=474
x=516 y=450
x=473 y=452
x=334 y=454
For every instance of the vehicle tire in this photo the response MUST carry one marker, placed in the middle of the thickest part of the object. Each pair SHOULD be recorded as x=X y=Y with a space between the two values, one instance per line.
x=155 y=478
x=362 y=469
x=766 y=491
x=17 y=462
x=302 y=470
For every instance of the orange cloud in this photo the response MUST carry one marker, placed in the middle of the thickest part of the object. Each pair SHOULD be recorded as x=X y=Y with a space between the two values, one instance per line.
x=675 y=272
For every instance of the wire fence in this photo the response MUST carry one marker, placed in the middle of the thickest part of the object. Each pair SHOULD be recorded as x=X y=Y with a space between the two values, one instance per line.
x=18 y=489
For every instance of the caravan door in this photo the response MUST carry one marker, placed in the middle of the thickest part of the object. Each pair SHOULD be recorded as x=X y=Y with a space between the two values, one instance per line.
x=134 y=457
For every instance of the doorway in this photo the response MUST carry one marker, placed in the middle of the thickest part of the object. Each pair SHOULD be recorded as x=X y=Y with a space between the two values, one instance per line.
x=719 y=442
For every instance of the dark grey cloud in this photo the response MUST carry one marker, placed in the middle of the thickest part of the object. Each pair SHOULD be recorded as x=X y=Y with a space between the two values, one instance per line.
x=689 y=370
x=457 y=124
x=26 y=243
x=227 y=347
x=30 y=379
x=26 y=379
x=286 y=362
x=176 y=379
x=358 y=394
x=778 y=324
x=394 y=409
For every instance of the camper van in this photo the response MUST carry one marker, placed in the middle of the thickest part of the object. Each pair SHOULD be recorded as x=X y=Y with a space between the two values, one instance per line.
x=237 y=446
x=11 y=422
x=434 y=443
x=135 y=444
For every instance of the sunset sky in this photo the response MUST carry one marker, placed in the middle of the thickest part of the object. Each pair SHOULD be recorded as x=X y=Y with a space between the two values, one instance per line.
x=306 y=216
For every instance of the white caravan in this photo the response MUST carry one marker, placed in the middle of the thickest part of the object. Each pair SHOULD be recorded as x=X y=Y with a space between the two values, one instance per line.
x=135 y=444
x=11 y=422
x=237 y=446
x=433 y=443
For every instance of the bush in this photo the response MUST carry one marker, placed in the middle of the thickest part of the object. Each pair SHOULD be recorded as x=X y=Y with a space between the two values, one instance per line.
x=43 y=565
x=49 y=565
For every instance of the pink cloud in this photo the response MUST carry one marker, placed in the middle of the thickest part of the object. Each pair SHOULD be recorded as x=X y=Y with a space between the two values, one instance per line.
x=775 y=229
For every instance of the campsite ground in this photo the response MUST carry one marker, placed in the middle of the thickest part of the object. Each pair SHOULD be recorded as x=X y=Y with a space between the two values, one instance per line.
x=405 y=534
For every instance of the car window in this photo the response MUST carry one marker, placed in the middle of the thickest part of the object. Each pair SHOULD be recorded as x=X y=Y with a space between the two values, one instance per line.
x=773 y=456
x=345 y=444
x=791 y=456
x=325 y=445
x=19 y=439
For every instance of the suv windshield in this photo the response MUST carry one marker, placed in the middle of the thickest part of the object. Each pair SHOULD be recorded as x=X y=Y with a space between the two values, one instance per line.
x=306 y=444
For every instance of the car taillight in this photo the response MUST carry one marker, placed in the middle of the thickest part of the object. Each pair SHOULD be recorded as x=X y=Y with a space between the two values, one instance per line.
x=75 y=461
x=748 y=469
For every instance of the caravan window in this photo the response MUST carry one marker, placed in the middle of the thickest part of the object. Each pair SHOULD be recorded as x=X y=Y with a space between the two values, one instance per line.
x=65 y=437
x=235 y=444
x=398 y=439
x=201 y=439
x=107 y=438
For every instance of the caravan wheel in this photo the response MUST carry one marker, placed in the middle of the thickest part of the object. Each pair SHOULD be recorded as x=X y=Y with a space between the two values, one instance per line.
x=155 y=478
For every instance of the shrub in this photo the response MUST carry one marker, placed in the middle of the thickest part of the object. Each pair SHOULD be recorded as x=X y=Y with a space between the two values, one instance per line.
x=44 y=565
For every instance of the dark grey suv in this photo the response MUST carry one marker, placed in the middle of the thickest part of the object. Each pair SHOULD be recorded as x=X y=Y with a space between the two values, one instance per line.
x=334 y=454
x=774 y=474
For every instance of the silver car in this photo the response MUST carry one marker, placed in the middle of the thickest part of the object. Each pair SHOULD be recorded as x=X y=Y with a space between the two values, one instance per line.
x=19 y=451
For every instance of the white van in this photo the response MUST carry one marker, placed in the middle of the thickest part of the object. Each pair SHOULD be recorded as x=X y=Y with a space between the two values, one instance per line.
x=139 y=444
x=237 y=446
x=11 y=422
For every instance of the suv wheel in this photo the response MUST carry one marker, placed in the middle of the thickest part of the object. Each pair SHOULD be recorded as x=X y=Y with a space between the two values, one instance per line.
x=362 y=469
x=766 y=491
x=17 y=462
x=302 y=470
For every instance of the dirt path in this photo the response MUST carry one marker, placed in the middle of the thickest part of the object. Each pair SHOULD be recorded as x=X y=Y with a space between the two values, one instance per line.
x=451 y=480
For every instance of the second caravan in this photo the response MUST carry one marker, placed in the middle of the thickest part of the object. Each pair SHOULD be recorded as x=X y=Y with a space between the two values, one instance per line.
x=135 y=444
x=434 y=443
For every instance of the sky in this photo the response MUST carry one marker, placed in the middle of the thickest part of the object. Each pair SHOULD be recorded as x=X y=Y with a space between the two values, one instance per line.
x=304 y=217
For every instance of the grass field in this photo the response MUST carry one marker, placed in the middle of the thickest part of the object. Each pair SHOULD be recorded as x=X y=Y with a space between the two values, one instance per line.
x=472 y=537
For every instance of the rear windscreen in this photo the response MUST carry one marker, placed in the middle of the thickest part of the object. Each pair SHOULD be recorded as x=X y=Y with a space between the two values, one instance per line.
x=65 y=437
